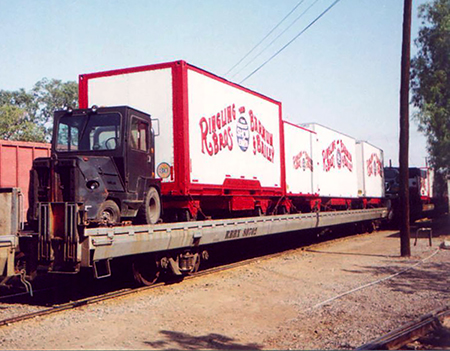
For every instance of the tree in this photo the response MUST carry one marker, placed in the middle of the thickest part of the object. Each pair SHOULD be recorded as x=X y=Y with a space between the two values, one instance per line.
x=15 y=125
x=431 y=81
x=33 y=110
x=52 y=95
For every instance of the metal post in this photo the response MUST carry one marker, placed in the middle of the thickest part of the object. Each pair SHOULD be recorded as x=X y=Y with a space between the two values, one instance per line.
x=404 y=132
x=448 y=192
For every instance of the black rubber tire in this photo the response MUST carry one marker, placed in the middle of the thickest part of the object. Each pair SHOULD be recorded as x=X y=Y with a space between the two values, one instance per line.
x=282 y=210
x=150 y=211
x=108 y=213
x=258 y=212
x=184 y=215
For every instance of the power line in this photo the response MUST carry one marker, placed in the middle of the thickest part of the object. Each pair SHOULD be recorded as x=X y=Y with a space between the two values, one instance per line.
x=290 y=42
x=274 y=40
x=248 y=53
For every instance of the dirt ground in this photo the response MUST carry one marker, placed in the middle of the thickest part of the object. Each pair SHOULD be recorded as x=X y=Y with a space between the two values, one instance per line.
x=334 y=295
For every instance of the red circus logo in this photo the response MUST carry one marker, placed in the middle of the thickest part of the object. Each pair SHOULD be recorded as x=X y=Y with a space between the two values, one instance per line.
x=303 y=161
x=374 y=165
x=337 y=155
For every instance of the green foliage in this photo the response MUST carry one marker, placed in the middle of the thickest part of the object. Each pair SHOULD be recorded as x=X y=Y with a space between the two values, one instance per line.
x=431 y=81
x=30 y=114
x=15 y=125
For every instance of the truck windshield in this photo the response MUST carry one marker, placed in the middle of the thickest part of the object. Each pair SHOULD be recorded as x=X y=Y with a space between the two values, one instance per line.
x=88 y=132
x=390 y=174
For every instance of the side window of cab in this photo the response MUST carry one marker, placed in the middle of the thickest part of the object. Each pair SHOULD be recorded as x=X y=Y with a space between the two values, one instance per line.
x=139 y=135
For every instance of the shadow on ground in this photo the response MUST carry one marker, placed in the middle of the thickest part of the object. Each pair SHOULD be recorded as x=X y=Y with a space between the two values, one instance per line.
x=440 y=227
x=176 y=340
x=350 y=253
x=430 y=277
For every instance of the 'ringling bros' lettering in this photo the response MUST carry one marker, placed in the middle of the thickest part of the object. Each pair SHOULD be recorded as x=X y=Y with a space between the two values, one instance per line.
x=217 y=127
x=217 y=134
x=337 y=155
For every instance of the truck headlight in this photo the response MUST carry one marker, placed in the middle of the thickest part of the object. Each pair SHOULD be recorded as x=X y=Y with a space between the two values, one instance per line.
x=92 y=184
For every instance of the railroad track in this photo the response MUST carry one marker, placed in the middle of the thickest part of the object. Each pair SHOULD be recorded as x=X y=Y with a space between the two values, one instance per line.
x=128 y=291
x=409 y=332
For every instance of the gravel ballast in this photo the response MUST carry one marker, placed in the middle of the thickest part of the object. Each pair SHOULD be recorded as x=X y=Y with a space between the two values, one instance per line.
x=334 y=295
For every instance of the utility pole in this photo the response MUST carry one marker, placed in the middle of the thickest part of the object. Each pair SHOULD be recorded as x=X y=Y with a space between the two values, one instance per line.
x=405 y=245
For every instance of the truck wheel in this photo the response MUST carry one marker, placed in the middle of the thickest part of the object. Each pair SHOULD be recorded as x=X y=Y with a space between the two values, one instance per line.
x=258 y=212
x=282 y=210
x=184 y=215
x=109 y=213
x=150 y=211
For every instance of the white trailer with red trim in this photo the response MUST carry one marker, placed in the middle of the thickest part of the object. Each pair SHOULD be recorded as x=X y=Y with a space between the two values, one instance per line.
x=427 y=183
x=336 y=167
x=370 y=165
x=302 y=167
x=215 y=138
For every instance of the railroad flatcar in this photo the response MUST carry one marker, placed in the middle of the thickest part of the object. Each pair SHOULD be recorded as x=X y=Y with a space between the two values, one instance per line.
x=207 y=148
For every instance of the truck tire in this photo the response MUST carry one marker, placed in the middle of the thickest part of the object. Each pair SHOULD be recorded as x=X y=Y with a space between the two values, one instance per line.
x=150 y=211
x=108 y=213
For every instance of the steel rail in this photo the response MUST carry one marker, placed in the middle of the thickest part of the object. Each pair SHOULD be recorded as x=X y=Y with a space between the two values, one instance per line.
x=409 y=332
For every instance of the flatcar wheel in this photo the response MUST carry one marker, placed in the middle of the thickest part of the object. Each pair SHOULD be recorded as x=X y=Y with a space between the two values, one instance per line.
x=197 y=261
x=145 y=271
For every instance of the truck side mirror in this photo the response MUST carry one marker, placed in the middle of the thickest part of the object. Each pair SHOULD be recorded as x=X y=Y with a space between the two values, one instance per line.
x=155 y=127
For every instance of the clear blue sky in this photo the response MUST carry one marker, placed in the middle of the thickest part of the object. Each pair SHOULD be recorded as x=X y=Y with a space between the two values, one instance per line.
x=344 y=72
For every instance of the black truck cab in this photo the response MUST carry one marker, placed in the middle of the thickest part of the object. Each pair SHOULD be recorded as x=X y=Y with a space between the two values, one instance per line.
x=103 y=160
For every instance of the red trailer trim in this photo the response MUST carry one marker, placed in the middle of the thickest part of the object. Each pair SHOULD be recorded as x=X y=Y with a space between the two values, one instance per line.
x=180 y=128
x=282 y=153
x=247 y=187
x=300 y=127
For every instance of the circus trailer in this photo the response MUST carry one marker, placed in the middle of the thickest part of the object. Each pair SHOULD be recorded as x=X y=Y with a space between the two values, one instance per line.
x=302 y=185
x=336 y=168
x=369 y=159
x=218 y=146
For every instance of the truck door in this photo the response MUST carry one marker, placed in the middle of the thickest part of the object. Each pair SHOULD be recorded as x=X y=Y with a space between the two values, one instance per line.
x=139 y=160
